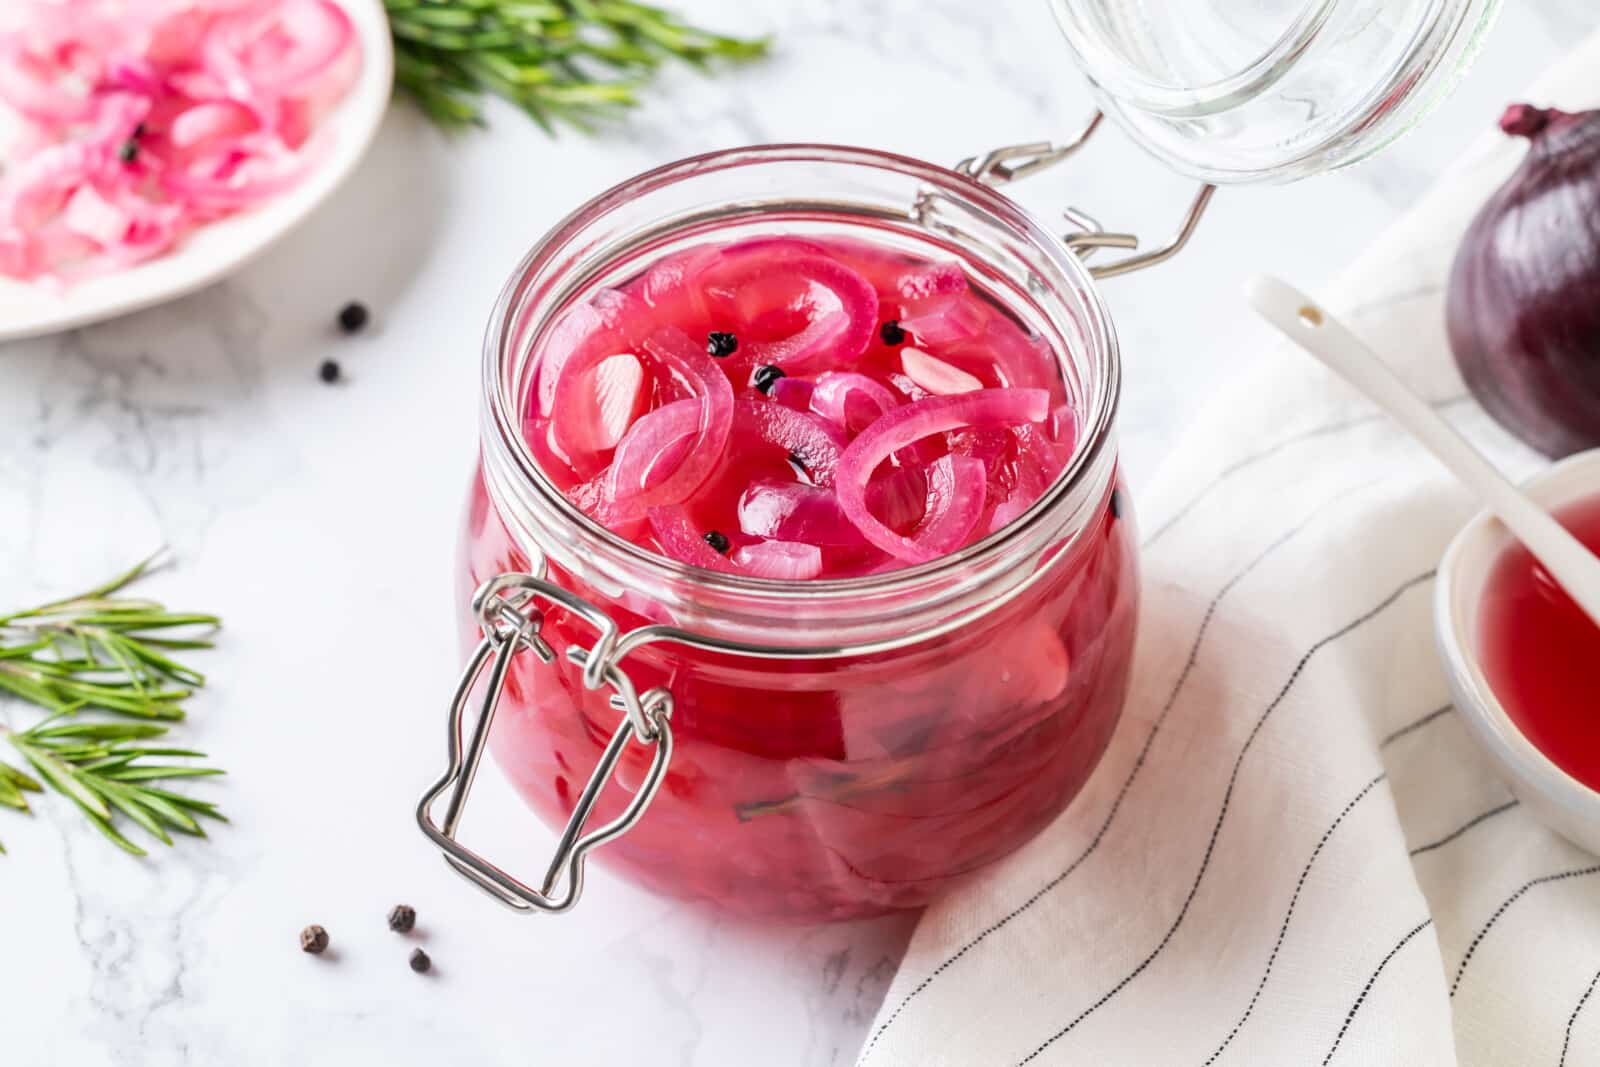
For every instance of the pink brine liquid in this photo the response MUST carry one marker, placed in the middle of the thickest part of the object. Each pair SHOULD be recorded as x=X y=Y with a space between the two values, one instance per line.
x=799 y=410
x=1539 y=652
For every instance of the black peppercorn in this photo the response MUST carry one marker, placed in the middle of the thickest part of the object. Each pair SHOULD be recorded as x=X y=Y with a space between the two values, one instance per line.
x=402 y=918
x=353 y=317
x=138 y=131
x=420 y=961
x=330 y=371
x=1116 y=503
x=718 y=541
x=891 y=332
x=313 y=939
x=765 y=377
x=721 y=343
x=128 y=151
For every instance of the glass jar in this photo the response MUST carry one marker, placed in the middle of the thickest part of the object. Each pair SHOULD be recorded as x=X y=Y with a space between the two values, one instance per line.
x=839 y=747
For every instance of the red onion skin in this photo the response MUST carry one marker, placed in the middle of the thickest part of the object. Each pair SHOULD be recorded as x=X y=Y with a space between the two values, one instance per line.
x=1523 y=303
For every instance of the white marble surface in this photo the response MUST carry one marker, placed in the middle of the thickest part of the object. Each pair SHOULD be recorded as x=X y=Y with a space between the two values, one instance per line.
x=320 y=522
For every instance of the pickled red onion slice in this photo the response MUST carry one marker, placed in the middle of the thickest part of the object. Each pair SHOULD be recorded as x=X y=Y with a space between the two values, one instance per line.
x=851 y=400
x=957 y=496
x=678 y=538
x=899 y=497
x=794 y=511
x=955 y=501
x=619 y=388
x=935 y=375
x=815 y=443
x=779 y=559
x=935 y=279
x=944 y=322
x=608 y=322
x=654 y=449
x=838 y=304
x=669 y=468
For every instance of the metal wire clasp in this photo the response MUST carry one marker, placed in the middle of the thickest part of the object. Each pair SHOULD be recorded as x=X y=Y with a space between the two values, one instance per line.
x=1001 y=166
x=506 y=607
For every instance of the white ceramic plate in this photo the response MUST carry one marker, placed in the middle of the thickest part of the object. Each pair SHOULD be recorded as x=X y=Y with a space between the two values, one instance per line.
x=216 y=250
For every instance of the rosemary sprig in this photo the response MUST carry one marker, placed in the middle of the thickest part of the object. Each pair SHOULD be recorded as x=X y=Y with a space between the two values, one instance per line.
x=98 y=651
x=578 y=62
x=105 y=768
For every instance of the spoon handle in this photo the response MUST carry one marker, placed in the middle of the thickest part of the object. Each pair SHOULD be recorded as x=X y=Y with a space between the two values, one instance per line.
x=1311 y=327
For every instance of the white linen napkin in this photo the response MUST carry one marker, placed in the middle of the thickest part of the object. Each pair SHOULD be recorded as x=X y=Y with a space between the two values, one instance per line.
x=1292 y=853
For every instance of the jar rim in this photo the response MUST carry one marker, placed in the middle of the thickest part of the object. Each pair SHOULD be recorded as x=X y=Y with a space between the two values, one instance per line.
x=503 y=404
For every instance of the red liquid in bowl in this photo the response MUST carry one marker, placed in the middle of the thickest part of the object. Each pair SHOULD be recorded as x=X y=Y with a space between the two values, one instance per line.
x=808 y=789
x=1541 y=653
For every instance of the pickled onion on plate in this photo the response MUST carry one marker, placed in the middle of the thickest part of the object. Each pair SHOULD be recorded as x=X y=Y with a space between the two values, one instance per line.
x=142 y=121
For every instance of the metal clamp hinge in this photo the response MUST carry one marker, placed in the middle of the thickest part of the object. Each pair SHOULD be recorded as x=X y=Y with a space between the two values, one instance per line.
x=1001 y=166
x=506 y=609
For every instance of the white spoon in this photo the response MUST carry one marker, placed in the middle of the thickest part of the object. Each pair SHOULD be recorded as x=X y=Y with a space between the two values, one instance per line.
x=1305 y=323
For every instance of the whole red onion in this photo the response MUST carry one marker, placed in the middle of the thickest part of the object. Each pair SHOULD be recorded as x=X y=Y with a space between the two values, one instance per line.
x=1523 y=307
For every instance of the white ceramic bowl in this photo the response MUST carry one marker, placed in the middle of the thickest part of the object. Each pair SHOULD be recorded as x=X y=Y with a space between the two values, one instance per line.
x=1562 y=802
x=215 y=250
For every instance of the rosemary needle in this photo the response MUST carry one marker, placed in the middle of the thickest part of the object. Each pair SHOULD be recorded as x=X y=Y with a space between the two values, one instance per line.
x=102 y=652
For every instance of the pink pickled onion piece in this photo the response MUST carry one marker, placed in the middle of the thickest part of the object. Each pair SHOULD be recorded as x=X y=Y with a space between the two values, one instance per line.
x=909 y=423
x=851 y=399
x=1008 y=511
x=672 y=353
x=209 y=121
x=841 y=308
x=89 y=214
x=655 y=447
x=899 y=498
x=935 y=279
x=779 y=559
x=674 y=285
x=679 y=540
x=935 y=375
x=945 y=322
x=815 y=443
x=1063 y=428
x=1022 y=361
x=955 y=501
x=594 y=498
x=794 y=511
x=30 y=85
x=619 y=390
x=278 y=50
x=793 y=393
x=608 y=322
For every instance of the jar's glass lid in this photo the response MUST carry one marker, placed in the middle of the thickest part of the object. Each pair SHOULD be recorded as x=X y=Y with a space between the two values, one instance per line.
x=1270 y=90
